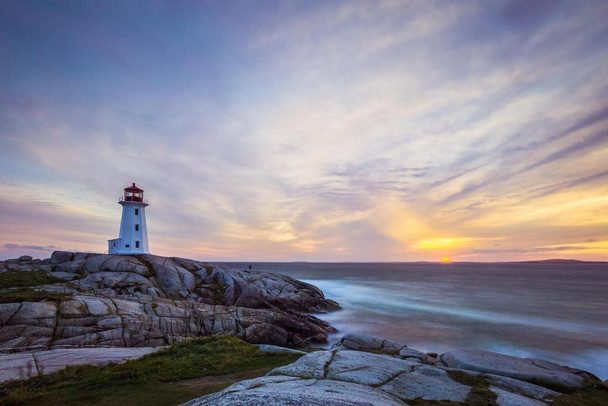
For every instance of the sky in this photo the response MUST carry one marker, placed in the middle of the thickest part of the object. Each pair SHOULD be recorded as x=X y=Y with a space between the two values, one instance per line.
x=307 y=130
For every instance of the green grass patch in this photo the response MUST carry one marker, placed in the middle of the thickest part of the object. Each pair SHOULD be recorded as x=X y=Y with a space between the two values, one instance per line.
x=17 y=295
x=18 y=279
x=591 y=394
x=209 y=269
x=480 y=394
x=171 y=376
x=218 y=291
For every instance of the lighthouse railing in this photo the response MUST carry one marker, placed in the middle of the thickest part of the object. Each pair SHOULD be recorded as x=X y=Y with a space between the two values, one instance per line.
x=132 y=199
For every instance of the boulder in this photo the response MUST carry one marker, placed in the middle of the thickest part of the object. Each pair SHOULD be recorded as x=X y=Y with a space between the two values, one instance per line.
x=25 y=258
x=529 y=370
x=59 y=257
x=377 y=345
x=364 y=342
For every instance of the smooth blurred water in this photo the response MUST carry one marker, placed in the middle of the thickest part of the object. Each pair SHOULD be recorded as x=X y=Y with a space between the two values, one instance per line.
x=556 y=311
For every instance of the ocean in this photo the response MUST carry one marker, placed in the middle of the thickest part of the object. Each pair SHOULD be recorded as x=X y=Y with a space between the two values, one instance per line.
x=549 y=310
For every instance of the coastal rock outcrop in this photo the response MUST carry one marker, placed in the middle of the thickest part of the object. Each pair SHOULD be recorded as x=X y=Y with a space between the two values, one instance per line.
x=23 y=365
x=367 y=343
x=148 y=301
x=524 y=369
x=343 y=376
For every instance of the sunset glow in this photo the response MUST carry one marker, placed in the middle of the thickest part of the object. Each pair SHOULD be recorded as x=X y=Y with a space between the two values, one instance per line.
x=309 y=131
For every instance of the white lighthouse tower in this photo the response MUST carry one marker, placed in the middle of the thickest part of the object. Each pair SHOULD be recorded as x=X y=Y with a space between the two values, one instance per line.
x=133 y=236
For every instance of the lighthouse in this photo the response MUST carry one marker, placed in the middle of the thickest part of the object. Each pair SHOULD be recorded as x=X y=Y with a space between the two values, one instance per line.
x=133 y=236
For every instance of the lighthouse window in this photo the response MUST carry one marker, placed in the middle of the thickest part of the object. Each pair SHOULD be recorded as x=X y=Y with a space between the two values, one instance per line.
x=127 y=245
x=136 y=244
x=136 y=227
x=137 y=212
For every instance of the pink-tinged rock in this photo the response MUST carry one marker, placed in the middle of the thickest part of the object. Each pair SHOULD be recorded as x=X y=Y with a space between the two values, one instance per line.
x=17 y=366
x=546 y=374
x=27 y=364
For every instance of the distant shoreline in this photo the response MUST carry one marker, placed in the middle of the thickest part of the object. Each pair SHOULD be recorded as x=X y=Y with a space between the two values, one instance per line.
x=540 y=261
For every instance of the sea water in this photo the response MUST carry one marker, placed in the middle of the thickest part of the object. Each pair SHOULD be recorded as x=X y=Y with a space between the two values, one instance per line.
x=555 y=311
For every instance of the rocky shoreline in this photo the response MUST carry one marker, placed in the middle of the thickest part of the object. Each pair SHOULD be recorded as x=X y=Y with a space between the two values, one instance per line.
x=82 y=308
x=363 y=370
x=98 y=300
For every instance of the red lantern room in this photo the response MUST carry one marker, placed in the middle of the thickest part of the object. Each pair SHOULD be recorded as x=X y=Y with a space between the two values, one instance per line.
x=133 y=194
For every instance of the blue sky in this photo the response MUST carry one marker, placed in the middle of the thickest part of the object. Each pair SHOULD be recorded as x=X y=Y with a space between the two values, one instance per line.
x=300 y=130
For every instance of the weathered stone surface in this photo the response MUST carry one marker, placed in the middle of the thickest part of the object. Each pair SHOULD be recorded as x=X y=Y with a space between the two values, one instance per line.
x=427 y=383
x=506 y=398
x=59 y=257
x=62 y=275
x=90 y=320
x=546 y=374
x=347 y=377
x=309 y=392
x=377 y=345
x=524 y=388
x=364 y=342
x=348 y=366
x=25 y=365
x=147 y=300
x=17 y=366
x=310 y=366
x=186 y=278
x=273 y=349
x=414 y=355
x=400 y=378
x=38 y=314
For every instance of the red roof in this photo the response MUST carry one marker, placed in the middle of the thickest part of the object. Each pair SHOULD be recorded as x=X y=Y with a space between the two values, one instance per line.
x=133 y=189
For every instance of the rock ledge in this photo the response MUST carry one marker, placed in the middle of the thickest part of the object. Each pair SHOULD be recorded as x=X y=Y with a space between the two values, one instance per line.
x=151 y=301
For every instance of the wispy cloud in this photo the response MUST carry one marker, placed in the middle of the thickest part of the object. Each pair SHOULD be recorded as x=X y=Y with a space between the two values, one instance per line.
x=309 y=130
x=29 y=247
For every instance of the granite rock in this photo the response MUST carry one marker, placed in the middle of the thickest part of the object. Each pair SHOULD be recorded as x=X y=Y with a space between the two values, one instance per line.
x=365 y=377
x=25 y=365
x=347 y=377
x=536 y=371
x=364 y=342
x=148 y=300
x=278 y=391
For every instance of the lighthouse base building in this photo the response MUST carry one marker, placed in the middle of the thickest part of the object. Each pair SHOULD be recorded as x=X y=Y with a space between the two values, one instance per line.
x=133 y=235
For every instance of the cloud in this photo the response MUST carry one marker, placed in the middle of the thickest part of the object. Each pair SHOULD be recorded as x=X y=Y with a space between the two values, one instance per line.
x=30 y=247
x=306 y=131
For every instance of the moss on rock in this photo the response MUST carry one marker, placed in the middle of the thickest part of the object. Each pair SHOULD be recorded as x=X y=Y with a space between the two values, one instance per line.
x=18 y=279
